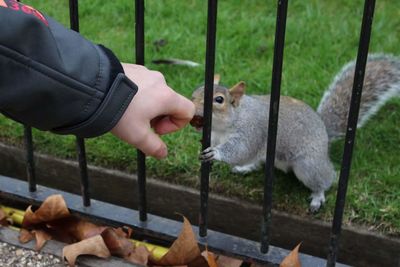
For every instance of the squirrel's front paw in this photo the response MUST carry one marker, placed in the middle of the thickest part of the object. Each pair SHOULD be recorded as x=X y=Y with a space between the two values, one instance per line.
x=209 y=154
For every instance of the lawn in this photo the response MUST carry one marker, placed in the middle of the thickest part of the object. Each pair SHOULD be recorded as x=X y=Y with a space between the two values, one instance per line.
x=321 y=37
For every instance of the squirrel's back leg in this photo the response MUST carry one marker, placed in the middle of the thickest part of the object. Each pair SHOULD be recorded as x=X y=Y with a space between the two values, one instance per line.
x=316 y=173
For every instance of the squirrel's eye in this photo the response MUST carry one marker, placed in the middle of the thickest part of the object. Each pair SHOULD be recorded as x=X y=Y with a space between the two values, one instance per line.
x=219 y=99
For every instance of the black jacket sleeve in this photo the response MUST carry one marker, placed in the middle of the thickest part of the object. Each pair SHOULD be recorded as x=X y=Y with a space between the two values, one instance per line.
x=53 y=79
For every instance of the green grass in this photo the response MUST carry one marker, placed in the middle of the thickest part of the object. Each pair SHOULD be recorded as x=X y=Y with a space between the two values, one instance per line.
x=321 y=36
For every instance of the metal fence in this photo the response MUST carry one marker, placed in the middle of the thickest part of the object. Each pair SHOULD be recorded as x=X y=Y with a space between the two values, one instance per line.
x=165 y=230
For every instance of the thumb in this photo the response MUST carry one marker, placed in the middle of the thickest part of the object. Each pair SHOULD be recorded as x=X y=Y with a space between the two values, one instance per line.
x=152 y=145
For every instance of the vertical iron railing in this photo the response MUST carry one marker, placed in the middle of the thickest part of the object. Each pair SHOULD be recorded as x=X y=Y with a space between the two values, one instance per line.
x=273 y=120
x=282 y=6
x=365 y=36
x=30 y=164
x=80 y=142
x=141 y=157
x=29 y=157
x=208 y=98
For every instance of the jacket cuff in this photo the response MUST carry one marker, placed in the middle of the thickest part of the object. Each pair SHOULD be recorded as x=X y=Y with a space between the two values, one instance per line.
x=109 y=112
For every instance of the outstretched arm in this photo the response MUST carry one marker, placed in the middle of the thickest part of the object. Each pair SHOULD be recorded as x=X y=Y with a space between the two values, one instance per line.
x=53 y=79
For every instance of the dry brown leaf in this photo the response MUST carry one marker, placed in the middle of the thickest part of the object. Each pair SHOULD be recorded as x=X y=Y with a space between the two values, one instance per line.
x=41 y=238
x=53 y=208
x=139 y=256
x=220 y=260
x=3 y=218
x=84 y=229
x=72 y=229
x=25 y=236
x=198 y=262
x=117 y=245
x=292 y=260
x=54 y=218
x=224 y=261
x=124 y=231
x=210 y=258
x=91 y=246
x=184 y=250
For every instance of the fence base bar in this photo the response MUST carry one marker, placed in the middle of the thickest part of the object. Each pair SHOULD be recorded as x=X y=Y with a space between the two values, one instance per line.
x=157 y=228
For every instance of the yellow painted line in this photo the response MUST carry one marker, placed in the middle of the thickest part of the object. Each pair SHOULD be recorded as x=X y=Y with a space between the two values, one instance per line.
x=157 y=251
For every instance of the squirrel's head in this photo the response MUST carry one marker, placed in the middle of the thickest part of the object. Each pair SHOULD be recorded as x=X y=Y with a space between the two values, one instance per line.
x=224 y=102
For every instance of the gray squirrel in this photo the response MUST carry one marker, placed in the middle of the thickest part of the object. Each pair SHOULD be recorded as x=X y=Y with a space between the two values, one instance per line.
x=240 y=124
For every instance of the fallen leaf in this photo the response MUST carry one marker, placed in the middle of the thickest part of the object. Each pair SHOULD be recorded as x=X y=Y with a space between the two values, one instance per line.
x=124 y=231
x=41 y=238
x=198 y=262
x=72 y=229
x=210 y=257
x=224 y=261
x=53 y=208
x=117 y=245
x=54 y=218
x=3 y=218
x=139 y=256
x=91 y=246
x=220 y=260
x=25 y=236
x=292 y=260
x=184 y=250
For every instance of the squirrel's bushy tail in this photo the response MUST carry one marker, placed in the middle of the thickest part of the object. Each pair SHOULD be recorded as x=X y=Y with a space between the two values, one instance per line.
x=381 y=82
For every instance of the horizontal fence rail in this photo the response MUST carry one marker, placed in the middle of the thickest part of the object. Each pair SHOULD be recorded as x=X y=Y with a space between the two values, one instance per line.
x=163 y=229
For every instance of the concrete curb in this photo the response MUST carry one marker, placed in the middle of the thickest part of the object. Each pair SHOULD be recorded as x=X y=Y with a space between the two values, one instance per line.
x=358 y=247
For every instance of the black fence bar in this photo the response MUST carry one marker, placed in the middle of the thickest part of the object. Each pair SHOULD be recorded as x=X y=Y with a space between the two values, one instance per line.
x=80 y=142
x=30 y=165
x=141 y=157
x=361 y=62
x=80 y=148
x=208 y=98
x=74 y=15
x=273 y=120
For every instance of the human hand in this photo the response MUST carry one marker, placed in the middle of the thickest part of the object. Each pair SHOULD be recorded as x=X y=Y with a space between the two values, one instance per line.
x=156 y=106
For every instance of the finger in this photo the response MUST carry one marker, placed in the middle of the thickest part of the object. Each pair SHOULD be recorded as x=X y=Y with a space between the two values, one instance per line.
x=165 y=126
x=152 y=145
x=180 y=110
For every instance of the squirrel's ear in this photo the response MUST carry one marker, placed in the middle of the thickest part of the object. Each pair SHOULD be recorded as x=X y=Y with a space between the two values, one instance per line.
x=237 y=91
x=217 y=77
